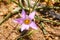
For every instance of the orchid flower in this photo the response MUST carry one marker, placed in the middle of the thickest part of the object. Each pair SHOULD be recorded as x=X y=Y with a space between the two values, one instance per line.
x=26 y=21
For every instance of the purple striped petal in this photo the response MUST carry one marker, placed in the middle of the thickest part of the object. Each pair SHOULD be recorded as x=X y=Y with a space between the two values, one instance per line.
x=33 y=25
x=23 y=14
x=24 y=27
x=19 y=20
x=31 y=15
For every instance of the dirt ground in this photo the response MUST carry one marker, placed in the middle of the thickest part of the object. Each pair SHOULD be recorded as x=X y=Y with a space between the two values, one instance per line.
x=9 y=30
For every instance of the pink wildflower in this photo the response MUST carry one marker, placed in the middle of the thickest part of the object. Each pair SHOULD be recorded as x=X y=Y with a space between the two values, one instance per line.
x=26 y=21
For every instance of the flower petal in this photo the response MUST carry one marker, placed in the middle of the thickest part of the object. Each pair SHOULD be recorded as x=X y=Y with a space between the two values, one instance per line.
x=31 y=15
x=33 y=25
x=23 y=14
x=24 y=27
x=19 y=20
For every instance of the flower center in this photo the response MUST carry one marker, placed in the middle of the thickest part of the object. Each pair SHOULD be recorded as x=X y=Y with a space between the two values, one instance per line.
x=27 y=21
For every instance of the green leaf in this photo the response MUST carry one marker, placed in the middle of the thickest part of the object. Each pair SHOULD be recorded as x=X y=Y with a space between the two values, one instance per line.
x=28 y=1
x=42 y=27
x=20 y=39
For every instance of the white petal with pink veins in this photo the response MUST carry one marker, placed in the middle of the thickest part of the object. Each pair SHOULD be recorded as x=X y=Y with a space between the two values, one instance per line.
x=31 y=15
x=33 y=25
x=19 y=20
x=24 y=27
x=23 y=14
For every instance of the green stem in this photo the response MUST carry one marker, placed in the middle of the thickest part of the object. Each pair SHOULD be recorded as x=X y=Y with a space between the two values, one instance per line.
x=5 y=18
x=42 y=27
x=35 y=5
x=46 y=20
x=17 y=4
x=28 y=3
x=8 y=16
x=20 y=3
x=28 y=34
x=51 y=7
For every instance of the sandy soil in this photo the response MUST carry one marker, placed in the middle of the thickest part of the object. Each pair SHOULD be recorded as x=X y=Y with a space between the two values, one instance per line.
x=8 y=30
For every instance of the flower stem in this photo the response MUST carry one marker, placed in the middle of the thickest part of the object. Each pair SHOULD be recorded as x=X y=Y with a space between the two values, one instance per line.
x=28 y=34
